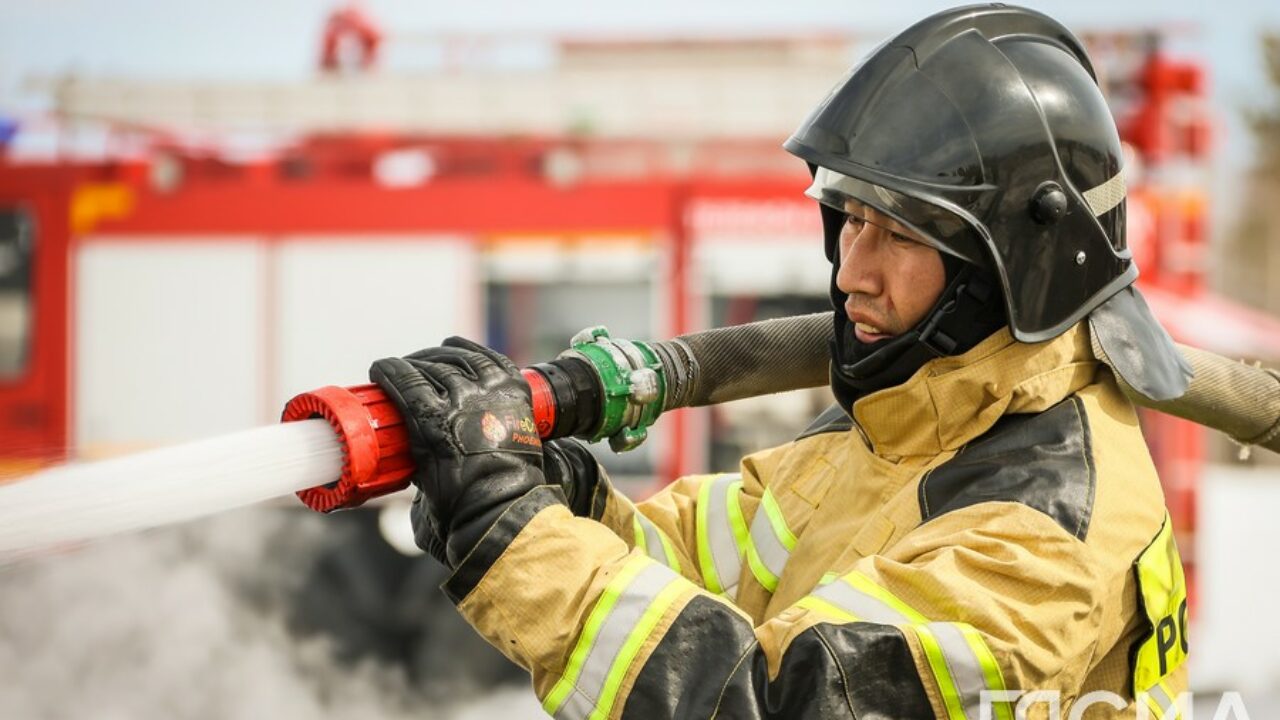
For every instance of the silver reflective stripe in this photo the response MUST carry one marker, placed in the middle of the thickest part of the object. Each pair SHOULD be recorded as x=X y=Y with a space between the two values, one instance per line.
x=957 y=655
x=1156 y=692
x=653 y=546
x=724 y=551
x=622 y=619
x=963 y=665
x=768 y=546
x=1106 y=196
x=859 y=604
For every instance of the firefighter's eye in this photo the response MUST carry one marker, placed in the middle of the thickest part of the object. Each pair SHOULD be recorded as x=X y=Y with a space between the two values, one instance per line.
x=855 y=222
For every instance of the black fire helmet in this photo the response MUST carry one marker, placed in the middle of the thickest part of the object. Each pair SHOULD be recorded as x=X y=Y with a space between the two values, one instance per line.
x=983 y=129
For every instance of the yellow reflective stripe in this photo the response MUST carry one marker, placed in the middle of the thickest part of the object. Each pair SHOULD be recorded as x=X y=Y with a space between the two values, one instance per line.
x=710 y=580
x=962 y=665
x=856 y=602
x=673 y=560
x=862 y=583
x=737 y=523
x=774 y=513
x=587 y=638
x=720 y=533
x=762 y=574
x=990 y=668
x=654 y=542
x=769 y=543
x=826 y=609
x=627 y=655
x=956 y=653
x=608 y=646
x=938 y=664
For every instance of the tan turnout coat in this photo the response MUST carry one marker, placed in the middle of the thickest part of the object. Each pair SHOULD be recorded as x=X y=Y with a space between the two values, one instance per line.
x=974 y=531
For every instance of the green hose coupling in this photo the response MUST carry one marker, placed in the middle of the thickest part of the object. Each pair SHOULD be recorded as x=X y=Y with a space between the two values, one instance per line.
x=632 y=382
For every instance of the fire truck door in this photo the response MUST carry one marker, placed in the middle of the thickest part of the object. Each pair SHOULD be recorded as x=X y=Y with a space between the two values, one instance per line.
x=32 y=333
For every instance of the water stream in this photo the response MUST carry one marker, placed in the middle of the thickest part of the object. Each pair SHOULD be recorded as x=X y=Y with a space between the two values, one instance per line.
x=82 y=501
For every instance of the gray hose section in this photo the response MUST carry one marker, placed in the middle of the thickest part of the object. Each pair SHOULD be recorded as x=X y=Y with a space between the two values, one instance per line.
x=773 y=356
x=1240 y=400
x=742 y=361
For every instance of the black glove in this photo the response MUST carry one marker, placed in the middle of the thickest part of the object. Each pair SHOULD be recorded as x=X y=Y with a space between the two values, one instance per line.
x=569 y=464
x=471 y=435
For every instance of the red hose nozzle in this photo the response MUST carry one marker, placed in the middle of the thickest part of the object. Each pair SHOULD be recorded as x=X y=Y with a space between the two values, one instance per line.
x=375 y=442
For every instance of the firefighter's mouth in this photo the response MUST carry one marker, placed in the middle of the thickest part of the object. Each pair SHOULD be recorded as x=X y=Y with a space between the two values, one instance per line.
x=868 y=333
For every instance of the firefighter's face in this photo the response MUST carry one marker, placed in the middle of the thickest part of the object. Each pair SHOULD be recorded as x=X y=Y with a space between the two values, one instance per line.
x=892 y=279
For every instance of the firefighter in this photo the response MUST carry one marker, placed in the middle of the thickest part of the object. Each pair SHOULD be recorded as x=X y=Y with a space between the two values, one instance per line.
x=974 y=524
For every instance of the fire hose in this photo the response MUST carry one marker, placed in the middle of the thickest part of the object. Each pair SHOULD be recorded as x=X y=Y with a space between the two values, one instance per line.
x=606 y=387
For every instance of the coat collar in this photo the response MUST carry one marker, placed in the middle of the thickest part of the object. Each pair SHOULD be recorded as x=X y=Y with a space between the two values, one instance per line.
x=952 y=400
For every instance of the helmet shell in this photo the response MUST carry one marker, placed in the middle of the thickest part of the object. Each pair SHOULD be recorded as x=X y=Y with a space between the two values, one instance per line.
x=990 y=116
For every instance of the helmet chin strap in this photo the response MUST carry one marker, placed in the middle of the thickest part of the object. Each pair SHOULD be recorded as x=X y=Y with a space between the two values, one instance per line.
x=967 y=311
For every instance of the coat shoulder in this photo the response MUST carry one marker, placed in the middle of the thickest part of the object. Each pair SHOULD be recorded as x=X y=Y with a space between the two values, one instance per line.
x=1042 y=460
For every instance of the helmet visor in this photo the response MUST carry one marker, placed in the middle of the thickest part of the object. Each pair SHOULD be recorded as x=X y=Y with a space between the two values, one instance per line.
x=929 y=224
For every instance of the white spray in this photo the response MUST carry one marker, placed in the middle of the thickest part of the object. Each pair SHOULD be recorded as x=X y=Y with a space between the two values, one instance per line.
x=189 y=622
x=78 y=502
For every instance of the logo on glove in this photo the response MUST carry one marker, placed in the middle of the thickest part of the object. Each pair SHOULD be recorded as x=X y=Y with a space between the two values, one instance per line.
x=493 y=429
x=519 y=430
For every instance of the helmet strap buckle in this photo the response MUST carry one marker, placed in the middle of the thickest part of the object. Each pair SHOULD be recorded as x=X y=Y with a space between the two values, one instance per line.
x=934 y=340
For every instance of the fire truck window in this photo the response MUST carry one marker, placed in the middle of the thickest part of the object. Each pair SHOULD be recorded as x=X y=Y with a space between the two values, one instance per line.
x=16 y=243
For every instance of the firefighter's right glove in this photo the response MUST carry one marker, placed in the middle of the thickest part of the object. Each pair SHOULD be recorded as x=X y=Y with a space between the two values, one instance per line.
x=569 y=464
x=472 y=438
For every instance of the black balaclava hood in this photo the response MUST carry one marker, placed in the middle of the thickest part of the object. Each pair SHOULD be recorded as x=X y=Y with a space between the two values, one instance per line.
x=967 y=312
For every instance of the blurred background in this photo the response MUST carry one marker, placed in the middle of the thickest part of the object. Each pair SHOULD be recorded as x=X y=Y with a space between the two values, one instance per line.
x=206 y=208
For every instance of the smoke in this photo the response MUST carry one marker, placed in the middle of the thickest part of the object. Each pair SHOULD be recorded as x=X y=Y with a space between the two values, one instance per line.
x=189 y=622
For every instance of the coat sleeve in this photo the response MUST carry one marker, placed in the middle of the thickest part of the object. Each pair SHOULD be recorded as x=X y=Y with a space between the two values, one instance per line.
x=694 y=526
x=970 y=603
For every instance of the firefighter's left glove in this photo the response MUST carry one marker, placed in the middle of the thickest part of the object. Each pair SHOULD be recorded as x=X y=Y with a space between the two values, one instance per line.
x=472 y=438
